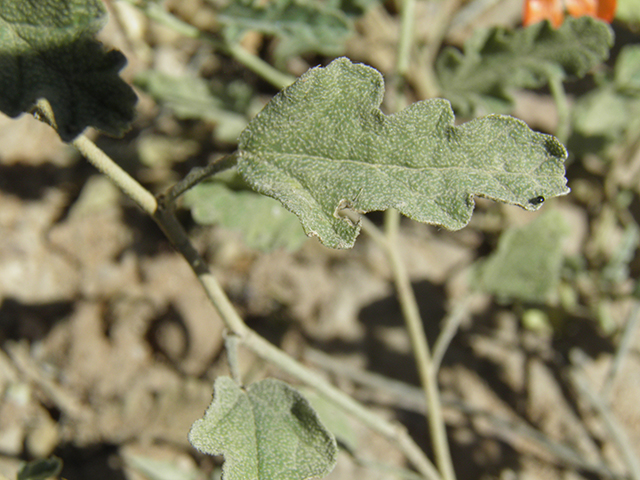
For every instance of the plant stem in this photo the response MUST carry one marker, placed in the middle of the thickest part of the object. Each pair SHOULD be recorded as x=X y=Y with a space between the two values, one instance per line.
x=428 y=374
x=562 y=106
x=164 y=216
x=196 y=175
x=145 y=200
x=254 y=63
x=413 y=321
x=626 y=342
x=406 y=37
x=616 y=432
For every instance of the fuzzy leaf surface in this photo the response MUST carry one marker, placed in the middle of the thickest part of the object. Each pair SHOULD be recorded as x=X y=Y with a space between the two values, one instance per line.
x=264 y=223
x=302 y=26
x=47 y=50
x=526 y=265
x=323 y=144
x=497 y=60
x=265 y=432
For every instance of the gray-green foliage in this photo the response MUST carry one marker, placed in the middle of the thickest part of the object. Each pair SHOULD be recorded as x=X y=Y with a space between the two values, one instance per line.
x=264 y=223
x=267 y=431
x=40 y=469
x=604 y=114
x=194 y=98
x=498 y=60
x=527 y=263
x=323 y=144
x=302 y=26
x=47 y=50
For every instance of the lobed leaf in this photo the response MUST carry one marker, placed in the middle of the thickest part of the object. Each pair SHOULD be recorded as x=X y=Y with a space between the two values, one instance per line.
x=266 y=432
x=47 y=50
x=497 y=60
x=322 y=145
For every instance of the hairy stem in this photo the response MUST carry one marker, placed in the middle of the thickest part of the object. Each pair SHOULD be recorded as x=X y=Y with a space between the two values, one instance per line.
x=196 y=175
x=428 y=374
x=164 y=216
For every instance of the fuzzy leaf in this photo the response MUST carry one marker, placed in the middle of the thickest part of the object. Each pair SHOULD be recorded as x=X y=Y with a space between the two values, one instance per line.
x=47 y=50
x=323 y=144
x=526 y=265
x=266 y=432
x=265 y=224
x=497 y=60
x=303 y=26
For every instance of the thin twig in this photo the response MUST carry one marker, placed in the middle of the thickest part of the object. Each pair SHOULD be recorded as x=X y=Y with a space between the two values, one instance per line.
x=409 y=397
x=405 y=43
x=626 y=341
x=197 y=175
x=450 y=327
x=562 y=105
x=174 y=231
x=157 y=13
x=104 y=163
x=616 y=432
x=420 y=346
x=423 y=77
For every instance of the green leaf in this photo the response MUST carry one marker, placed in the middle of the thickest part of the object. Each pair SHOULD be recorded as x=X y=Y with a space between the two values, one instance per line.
x=40 y=469
x=193 y=98
x=627 y=71
x=323 y=144
x=47 y=50
x=497 y=60
x=603 y=116
x=526 y=265
x=266 y=432
x=302 y=26
x=629 y=11
x=263 y=222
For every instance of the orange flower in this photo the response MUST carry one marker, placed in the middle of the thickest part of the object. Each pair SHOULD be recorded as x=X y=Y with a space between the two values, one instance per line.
x=553 y=10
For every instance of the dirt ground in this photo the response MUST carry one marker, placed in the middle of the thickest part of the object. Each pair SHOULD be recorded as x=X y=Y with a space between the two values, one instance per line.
x=109 y=347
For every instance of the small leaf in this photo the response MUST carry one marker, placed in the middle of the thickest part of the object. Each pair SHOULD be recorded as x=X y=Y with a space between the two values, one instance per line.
x=40 y=469
x=526 y=265
x=497 y=60
x=323 y=144
x=266 y=432
x=193 y=98
x=265 y=224
x=47 y=50
x=302 y=26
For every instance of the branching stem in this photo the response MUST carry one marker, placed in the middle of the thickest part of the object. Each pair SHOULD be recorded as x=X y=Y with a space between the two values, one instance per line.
x=164 y=216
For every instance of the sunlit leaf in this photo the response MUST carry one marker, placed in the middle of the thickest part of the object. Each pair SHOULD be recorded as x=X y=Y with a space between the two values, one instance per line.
x=267 y=431
x=47 y=50
x=323 y=144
